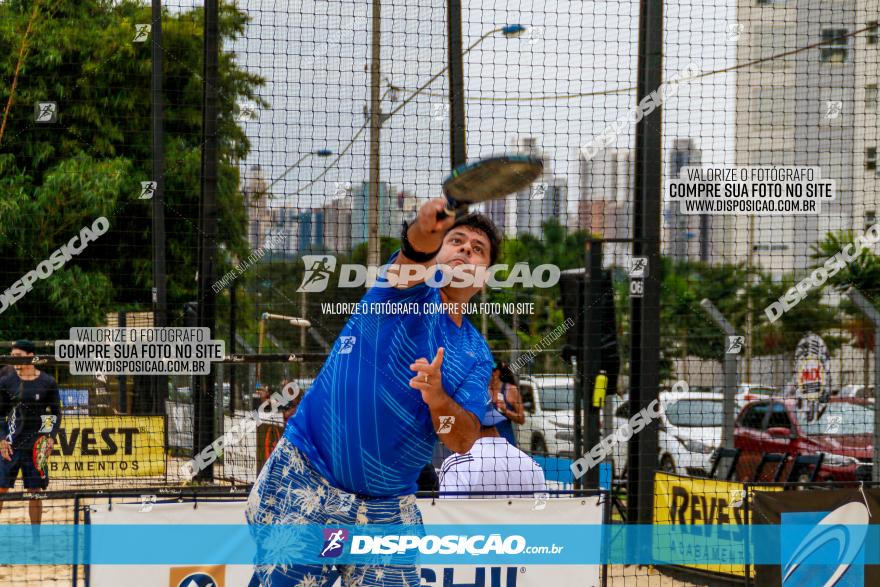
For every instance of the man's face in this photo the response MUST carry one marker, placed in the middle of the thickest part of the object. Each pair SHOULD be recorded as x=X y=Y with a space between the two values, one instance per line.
x=464 y=245
x=19 y=353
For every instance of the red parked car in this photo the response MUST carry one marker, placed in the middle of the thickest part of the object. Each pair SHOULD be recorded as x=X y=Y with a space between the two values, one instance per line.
x=841 y=429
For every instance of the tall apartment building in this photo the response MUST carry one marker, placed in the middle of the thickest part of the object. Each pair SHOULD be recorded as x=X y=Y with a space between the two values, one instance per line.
x=866 y=181
x=360 y=212
x=686 y=237
x=528 y=210
x=816 y=108
x=404 y=207
x=285 y=222
x=256 y=201
x=337 y=224
x=302 y=230
x=604 y=200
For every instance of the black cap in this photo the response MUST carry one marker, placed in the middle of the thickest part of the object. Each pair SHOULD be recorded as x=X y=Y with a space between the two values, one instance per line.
x=25 y=345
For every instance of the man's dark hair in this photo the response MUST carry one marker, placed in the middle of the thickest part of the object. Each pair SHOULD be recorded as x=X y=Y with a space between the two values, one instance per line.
x=484 y=224
x=25 y=345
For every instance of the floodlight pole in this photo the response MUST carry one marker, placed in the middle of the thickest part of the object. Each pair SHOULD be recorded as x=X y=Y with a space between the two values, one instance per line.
x=457 y=142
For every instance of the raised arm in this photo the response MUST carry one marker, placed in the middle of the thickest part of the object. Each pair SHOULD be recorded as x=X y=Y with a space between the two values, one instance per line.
x=518 y=413
x=420 y=241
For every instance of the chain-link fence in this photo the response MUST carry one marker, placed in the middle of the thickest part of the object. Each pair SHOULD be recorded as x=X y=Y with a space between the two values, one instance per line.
x=684 y=301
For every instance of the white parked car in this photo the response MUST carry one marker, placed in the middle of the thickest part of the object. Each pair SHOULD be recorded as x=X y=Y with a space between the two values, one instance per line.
x=857 y=391
x=690 y=430
x=690 y=426
x=549 y=406
x=747 y=392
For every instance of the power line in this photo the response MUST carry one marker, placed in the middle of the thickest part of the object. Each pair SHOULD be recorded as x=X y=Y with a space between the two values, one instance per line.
x=406 y=101
x=549 y=97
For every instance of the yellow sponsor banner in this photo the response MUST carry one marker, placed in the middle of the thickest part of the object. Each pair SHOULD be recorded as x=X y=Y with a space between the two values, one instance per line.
x=695 y=501
x=108 y=447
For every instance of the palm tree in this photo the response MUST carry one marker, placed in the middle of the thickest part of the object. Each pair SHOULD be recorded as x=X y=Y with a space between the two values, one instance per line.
x=863 y=274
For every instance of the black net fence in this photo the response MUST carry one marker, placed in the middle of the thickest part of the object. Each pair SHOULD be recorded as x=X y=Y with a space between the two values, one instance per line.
x=679 y=304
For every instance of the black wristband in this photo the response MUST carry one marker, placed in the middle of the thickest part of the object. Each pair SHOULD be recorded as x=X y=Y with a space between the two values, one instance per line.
x=410 y=253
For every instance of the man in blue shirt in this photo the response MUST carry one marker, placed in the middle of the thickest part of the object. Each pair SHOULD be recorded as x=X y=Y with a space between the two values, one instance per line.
x=393 y=384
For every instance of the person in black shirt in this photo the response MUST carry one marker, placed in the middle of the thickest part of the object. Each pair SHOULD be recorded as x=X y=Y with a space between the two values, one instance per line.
x=30 y=407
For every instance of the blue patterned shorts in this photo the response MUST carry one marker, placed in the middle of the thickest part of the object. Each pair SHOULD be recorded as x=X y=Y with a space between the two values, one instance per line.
x=290 y=491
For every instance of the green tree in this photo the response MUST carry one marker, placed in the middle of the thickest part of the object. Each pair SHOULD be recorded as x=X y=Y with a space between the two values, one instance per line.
x=57 y=178
x=559 y=247
x=810 y=315
x=863 y=274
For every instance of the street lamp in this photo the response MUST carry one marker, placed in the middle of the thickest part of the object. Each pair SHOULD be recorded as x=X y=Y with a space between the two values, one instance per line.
x=292 y=320
x=509 y=31
x=377 y=119
x=318 y=153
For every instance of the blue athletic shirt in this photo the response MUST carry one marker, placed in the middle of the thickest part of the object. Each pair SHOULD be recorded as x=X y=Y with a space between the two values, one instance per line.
x=360 y=424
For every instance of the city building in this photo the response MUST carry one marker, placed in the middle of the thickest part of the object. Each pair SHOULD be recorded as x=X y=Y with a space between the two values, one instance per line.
x=816 y=108
x=502 y=213
x=360 y=198
x=256 y=201
x=545 y=199
x=405 y=208
x=395 y=206
x=285 y=222
x=866 y=108
x=604 y=201
x=302 y=231
x=337 y=224
x=527 y=211
x=686 y=236
x=311 y=231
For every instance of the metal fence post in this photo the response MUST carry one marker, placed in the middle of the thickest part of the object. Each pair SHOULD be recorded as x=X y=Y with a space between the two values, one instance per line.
x=591 y=361
x=203 y=389
x=730 y=373
x=645 y=338
x=159 y=383
x=457 y=140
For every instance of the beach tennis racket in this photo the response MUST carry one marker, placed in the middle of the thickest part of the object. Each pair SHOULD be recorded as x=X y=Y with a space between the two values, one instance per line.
x=41 y=455
x=488 y=179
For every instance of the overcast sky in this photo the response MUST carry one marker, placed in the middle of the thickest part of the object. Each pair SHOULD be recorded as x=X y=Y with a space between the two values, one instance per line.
x=314 y=57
